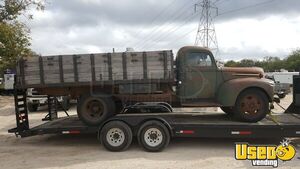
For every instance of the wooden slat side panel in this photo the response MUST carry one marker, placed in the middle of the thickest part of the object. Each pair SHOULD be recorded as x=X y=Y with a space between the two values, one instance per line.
x=135 y=66
x=84 y=68
x=155 y=65
x=117 y=66
x=51 y=69
x=101 y=67
x=68 y=68
x=124 y=66
x=31 y=70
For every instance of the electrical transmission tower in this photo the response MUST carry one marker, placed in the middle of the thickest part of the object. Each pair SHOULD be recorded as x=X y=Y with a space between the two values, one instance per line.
x=206 y=34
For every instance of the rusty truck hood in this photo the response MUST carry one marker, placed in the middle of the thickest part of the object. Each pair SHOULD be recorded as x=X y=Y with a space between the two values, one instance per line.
x=241 y=72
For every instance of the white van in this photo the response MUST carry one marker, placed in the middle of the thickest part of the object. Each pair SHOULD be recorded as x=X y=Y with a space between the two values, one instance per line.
x=9 y=81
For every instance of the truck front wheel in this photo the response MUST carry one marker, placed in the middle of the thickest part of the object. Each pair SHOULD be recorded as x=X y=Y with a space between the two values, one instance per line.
x=93 y=110
x=252 y=105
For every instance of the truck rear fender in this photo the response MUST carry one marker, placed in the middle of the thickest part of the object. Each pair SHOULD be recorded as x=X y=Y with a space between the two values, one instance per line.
x=230 y=90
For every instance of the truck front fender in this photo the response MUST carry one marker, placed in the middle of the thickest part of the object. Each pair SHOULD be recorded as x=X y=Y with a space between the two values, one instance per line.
x=230 y=90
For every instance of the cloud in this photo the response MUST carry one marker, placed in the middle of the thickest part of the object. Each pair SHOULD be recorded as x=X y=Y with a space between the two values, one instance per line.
x=81 y=26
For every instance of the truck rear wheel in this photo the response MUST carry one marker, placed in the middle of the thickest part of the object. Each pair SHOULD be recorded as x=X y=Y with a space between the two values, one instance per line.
x=252 y=105
x=94 y=110
x=116 y=136
x=153 y=136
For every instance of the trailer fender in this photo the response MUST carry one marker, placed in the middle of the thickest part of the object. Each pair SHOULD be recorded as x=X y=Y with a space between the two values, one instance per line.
x=230 y=90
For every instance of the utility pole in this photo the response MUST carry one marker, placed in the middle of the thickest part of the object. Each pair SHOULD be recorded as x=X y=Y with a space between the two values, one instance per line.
x=206 y=34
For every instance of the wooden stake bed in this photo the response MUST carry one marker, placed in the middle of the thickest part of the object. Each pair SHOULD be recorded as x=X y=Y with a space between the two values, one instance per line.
x=76 y=70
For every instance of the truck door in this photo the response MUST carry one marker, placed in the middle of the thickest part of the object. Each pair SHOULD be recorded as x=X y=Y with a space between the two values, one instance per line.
x=198 y=77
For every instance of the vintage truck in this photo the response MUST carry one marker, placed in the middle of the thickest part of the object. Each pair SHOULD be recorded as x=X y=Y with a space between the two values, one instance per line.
x=105 y=83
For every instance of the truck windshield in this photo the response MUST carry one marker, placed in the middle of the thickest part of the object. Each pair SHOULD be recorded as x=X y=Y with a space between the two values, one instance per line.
x=199 y=60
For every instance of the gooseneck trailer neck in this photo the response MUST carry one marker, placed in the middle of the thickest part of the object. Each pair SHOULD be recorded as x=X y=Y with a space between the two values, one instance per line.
x=154 y=130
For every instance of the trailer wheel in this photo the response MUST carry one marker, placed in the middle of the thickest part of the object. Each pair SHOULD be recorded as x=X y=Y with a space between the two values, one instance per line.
x=252 y=105
x=116 y=136
x=228 y=110
x=32 y=107
x=94 y=110
x=153 y=136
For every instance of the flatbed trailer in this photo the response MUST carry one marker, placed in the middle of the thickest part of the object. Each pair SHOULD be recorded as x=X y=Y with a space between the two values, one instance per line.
x=154 y=130
x=202 y=125
x=207 y=125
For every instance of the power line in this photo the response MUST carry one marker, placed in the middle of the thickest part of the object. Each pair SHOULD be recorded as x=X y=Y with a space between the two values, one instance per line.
x=180 y=37
x=174 y=29
x=163 y=11
x=219 y=2
x=155 y=32
x=158 y=15
x=216 y=1
x=247 y=7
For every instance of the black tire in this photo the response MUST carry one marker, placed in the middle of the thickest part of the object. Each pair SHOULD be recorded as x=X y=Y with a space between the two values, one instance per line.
x=95 y=110
x=32 y=107
x=116 y=136
x=228 y=110
x=155 y=133
x=252 y=105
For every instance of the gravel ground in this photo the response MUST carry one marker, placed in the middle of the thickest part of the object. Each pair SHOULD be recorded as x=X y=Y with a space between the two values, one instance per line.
x=84 y=151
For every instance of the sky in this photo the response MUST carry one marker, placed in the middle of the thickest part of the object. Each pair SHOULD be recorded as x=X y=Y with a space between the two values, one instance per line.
x=244 y=29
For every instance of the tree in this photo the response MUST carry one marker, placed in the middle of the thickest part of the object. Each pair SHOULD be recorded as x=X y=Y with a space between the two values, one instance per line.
x=15 y=42
x=271 y=64
x=10 y=10
x=293 y=61
x=231 y=63
x=14 y=35
x=247 y=63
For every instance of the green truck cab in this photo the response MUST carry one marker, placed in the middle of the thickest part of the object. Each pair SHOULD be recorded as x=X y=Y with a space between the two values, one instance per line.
x=241 y=92
x=106 y=84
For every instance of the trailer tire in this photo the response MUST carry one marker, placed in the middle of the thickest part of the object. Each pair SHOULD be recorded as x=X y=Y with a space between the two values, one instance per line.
x=153 y=136
x=94 y=110
x=116 y=136
x=32 y=107
x=252 y=105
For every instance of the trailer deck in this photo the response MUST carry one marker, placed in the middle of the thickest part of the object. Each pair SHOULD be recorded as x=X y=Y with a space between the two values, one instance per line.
x=209 y=125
